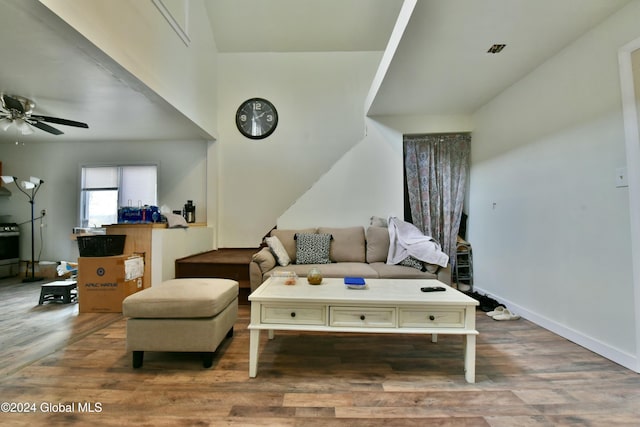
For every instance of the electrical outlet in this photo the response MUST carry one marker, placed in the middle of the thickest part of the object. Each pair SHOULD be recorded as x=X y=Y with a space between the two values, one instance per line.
x=621 y=177
x=43 y=212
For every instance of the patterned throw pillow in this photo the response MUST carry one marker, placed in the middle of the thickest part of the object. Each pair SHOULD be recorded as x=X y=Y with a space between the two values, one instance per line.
x=278 y=250
x=412 y=262
x=313 y=248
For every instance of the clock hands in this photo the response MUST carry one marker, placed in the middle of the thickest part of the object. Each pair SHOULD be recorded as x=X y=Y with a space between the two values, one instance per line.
x=256 y=118
x=256 y=125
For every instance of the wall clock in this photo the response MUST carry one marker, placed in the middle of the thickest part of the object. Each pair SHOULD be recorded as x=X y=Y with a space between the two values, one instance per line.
x=256 y=118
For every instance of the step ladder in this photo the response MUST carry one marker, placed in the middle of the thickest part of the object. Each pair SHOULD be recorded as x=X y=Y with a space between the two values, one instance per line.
x=464 y=266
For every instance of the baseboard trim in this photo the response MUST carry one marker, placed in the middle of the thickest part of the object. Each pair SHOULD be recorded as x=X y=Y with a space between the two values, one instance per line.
x=622 y=358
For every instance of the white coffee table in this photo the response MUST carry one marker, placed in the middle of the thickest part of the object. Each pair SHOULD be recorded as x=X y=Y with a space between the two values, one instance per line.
x=385 y=306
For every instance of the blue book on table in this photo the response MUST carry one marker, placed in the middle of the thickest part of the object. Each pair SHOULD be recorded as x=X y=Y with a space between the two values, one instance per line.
x=354 y=281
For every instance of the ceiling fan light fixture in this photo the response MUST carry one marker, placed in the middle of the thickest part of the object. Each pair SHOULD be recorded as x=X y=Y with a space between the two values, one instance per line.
x=18 y=110
x=5 y=123
x=23 y=127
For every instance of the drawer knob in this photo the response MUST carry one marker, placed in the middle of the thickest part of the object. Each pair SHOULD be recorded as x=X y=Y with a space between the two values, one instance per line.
x=432 y=317
x=293 y=314
x=362 y=317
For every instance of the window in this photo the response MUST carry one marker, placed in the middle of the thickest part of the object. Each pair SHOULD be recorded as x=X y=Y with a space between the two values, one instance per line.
x=106 y=188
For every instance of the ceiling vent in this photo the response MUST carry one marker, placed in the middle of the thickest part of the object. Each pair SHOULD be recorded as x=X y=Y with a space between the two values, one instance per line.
x=496 y=48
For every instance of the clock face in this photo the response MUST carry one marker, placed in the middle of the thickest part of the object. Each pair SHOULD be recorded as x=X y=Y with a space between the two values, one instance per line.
x=256 y=118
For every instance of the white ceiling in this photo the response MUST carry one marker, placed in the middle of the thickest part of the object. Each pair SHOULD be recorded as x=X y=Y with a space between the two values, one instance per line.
x=441 y=65
x=302 y=25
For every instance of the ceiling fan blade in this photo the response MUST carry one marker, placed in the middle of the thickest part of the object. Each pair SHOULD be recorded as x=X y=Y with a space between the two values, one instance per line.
x=60 y=121
x=45 y=127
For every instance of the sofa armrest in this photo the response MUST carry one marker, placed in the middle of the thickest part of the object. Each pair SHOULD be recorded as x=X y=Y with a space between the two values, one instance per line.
x=261 y=262
x=444 y=274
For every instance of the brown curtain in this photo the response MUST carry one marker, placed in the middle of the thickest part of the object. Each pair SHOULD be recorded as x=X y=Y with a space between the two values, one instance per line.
x=436 y=170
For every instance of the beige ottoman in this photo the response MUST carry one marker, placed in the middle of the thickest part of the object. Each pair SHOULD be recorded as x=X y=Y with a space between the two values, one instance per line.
x=182 y=315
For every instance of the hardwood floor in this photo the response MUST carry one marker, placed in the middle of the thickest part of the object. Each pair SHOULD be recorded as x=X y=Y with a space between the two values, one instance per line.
x=31 y=331
x=526 y=376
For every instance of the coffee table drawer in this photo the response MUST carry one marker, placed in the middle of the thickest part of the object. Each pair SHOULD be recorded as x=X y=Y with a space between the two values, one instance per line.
x=421 y=317
x=294 y=315
x=370 y=317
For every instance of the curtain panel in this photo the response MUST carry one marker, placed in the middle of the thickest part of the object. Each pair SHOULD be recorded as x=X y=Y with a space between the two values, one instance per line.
x=437 y=169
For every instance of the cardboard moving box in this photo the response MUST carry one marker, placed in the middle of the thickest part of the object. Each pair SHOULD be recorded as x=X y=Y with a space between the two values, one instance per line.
x=104 y=282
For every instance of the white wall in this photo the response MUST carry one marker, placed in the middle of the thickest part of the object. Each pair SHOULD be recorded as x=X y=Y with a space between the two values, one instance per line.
x=425 y=124
x=138 y=37
x=182 y=168
x=319 y=98
x=365 y=182
x=549 y=228
x=173 y=243
x=368 y=180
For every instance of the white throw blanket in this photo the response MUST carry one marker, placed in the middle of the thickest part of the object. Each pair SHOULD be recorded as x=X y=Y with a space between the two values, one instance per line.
x=406 y=239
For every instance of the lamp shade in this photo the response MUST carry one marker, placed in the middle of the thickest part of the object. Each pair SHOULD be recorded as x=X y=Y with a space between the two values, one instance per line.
x=35 y=180
x=8 y=179
x=28 y=185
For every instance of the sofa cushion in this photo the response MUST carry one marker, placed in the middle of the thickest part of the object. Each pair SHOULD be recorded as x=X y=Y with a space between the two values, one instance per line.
x=341 y=269
x=312 y=248
x=348 y=244
x=265 y=259
x=432 y=268
x=286 y=237
x=182 y=298
x=389 y=271
x=278 y=250
x=377 y=244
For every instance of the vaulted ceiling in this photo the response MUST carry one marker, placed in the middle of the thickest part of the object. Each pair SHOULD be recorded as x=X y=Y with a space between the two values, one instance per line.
x=441 y=65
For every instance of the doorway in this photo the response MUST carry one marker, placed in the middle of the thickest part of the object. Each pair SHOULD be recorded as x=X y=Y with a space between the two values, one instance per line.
x=629 y=68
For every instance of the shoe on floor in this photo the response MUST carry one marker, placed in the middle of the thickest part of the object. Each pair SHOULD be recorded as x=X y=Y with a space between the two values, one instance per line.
x=488 y=304
x=506 y=315
x=498 y=310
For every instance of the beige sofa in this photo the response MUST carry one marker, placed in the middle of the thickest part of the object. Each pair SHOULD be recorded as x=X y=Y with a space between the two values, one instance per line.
x=353 y=253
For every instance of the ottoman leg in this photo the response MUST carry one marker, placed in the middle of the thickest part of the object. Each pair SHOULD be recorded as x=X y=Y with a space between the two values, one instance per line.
x=138 y=356
x=208 y=360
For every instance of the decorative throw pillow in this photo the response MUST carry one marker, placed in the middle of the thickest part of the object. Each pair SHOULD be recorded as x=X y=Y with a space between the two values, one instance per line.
x=377 y=221
x=313 y=248
x=278 y=250
x=265 y=259
x=412 y=262
x=377 y=244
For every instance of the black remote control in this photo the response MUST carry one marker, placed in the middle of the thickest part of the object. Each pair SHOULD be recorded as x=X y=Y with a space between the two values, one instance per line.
x=433 y=289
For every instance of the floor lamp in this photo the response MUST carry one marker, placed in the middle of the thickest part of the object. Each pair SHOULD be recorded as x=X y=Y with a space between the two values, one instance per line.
x=30 y=188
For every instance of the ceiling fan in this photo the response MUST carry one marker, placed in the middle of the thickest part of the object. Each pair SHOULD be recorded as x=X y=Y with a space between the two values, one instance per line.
x=19 y=111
